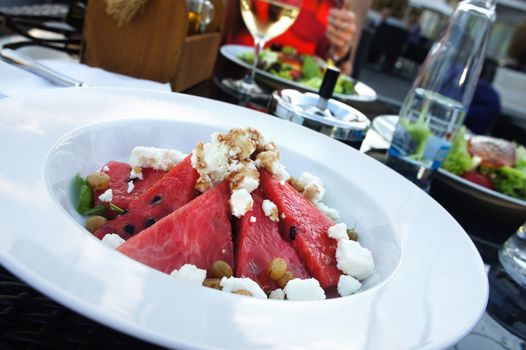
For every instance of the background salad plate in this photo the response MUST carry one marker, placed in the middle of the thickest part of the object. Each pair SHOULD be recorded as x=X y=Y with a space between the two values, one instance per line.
x=364 y=93
x=510 y=211
x=429 y=290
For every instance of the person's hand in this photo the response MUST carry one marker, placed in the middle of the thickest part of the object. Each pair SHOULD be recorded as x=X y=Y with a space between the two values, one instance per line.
x=340 y=32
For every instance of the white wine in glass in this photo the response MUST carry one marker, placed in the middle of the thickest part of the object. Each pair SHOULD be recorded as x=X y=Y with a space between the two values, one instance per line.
x=265 y=20
x=268 y=19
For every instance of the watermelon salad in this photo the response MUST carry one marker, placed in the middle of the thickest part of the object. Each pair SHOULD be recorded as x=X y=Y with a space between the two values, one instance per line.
x=226 y=216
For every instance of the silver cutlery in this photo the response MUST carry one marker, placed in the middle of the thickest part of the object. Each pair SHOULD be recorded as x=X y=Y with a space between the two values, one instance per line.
x=29 y=64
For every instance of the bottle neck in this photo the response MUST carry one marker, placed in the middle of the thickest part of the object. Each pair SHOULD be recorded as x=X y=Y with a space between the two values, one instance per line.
x=486 y=7
x=488 y=4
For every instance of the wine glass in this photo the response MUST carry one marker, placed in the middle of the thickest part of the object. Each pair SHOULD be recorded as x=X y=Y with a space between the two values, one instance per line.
x=512 y=256
x=265 y=20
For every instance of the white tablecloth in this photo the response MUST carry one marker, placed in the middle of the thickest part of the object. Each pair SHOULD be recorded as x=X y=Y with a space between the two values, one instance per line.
x=14 y=80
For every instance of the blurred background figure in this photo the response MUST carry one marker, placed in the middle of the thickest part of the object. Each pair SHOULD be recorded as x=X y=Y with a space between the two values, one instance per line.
x=326 y=28
x=396 y=8
x=484 y=111
x=413 y=26
x=517 y=48
x=385 y=13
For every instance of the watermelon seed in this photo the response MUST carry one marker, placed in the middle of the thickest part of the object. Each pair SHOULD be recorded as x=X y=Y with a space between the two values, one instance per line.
x=149 y=222
x=156 y=200
x=129 y=229
x=292 y=233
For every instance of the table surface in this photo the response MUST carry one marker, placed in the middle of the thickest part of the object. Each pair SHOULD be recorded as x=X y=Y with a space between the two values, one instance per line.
x=30 y=320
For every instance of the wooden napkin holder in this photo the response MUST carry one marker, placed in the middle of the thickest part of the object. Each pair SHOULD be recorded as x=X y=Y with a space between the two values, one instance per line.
x=154 y=45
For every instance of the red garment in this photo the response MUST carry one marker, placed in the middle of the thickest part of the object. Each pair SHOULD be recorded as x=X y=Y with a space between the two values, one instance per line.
x=307 y=33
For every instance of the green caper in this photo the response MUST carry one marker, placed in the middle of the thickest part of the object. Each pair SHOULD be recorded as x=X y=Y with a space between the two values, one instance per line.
x=212 y=283
x=277 y=268
x=242 y=292
x=353 y=235
x=285 y=279
x=98 y=180
x=221 y=269
x=93 y=223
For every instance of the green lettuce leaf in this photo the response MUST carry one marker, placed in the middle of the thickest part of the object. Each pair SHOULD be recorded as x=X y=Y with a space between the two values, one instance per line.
x=85 y=195
x=520 y=157
x=419 y=132
x=310 y=68
x=314 y=83
x=344 y=86
x=289 y=50
x=458 y=160
x=511 y=182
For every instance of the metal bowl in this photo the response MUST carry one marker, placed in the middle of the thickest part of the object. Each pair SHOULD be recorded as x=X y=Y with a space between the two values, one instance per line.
x=344 y=122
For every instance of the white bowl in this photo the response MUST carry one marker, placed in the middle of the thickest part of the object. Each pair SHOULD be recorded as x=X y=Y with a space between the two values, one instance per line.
x=430 y=287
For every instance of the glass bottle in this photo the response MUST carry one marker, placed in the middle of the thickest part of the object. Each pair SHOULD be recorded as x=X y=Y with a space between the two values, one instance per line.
x=436 y=105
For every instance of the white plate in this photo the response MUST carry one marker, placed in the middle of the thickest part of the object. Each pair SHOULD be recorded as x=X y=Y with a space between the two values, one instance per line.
x=364 y=93
x=385 y=126
x=429 y=291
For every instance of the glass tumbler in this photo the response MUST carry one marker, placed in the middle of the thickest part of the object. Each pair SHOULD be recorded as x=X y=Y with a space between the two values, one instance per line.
x=512 y=256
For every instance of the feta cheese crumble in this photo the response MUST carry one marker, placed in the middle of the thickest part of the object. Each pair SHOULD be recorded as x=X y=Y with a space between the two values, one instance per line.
x=252 y=219
x=277 y=294
x=107 y=196
x=105 y=169
x=313 y=188
x=212 y=162
x=233 y=284
x=112 y=240
x=227 y=156
x=240 y=202
x=157 y=158
x=245 y=175
x=269 y=160
x=136 y=173
x=231 y=152
x=354 y=260
x=307 y=289
x=131 y=186
x=190 y=273
x=348 y=285
x=338 y=231
x=270 y=209
x=236 y=156
x=333 y=214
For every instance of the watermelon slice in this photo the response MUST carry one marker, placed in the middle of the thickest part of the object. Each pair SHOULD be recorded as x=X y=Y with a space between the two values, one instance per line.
x=306 y=226
x=119 y=177
x=257 y=243
x=171 y=192
x=198 y=233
